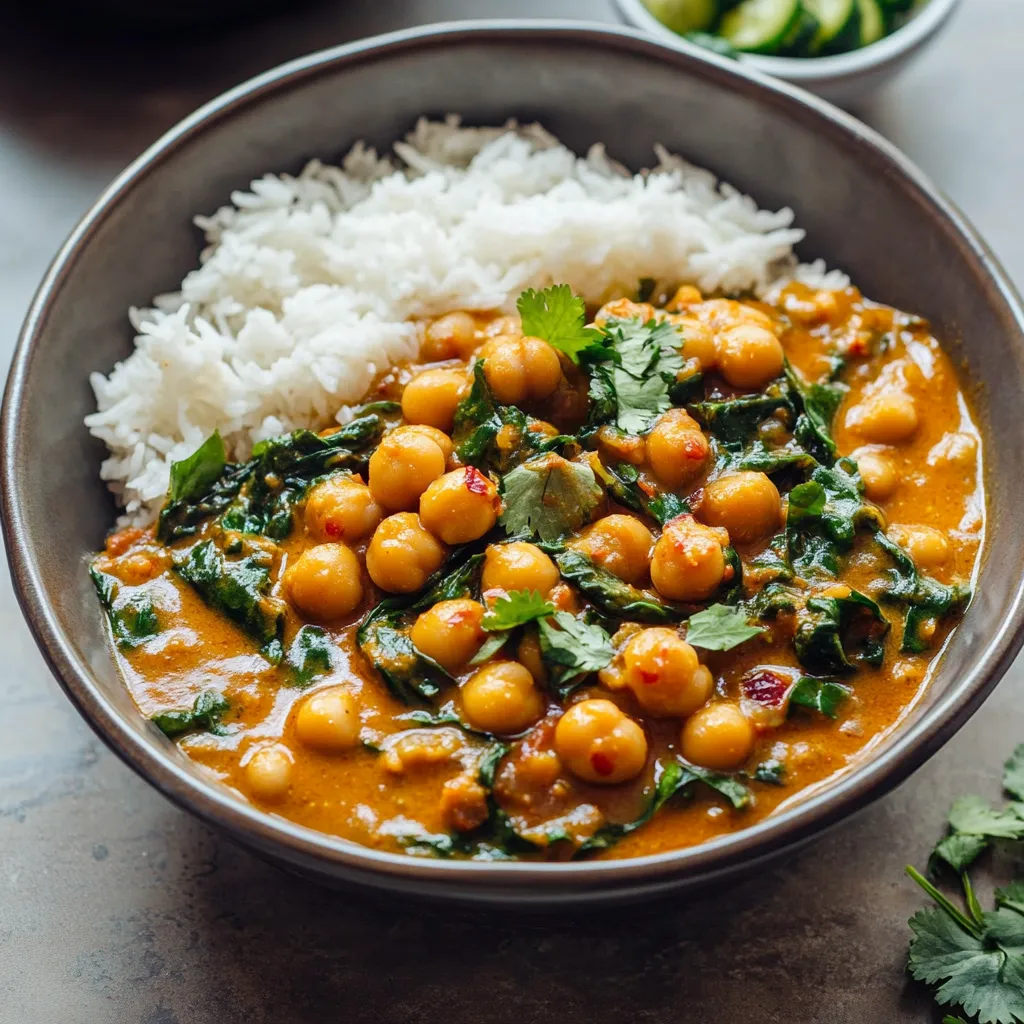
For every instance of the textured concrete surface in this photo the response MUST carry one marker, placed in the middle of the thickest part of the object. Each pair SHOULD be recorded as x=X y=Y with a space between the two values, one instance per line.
x=116 y=907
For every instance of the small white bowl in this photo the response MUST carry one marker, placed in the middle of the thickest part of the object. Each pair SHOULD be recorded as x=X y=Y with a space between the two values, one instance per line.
x=842 y=78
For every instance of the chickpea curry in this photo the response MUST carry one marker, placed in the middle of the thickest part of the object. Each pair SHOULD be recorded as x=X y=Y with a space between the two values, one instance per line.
x=568 y=588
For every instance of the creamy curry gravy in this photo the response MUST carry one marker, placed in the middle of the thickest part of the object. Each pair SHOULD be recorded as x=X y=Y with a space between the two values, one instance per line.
x=360 y=766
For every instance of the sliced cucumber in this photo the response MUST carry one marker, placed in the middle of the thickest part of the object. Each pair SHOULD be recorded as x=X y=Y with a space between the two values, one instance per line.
x=838 y=25
x=684 y=16
x=872 y=22
x=800 y=36
x=761 y=26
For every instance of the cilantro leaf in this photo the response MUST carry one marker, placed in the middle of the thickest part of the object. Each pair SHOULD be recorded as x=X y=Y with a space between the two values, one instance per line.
x=559 y=318
x=646 y=361
x=516 y=609
x=720 y=628
x=573 y=649
x=970 y=815
x=1012 y=896
x=1013 y=774
x=549 y=496
x=959 y=851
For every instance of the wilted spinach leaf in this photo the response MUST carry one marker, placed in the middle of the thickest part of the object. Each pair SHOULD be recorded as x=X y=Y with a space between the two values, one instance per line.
x=310 y=655
x=832 y=630
x=204 y=716
x=923 y=597
x=133 y=620
x=824 y=515
x=237 y=588
x=610 y=594
x=816 y=404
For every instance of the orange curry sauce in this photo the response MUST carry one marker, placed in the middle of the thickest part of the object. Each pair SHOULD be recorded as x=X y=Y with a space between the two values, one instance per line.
x=402 y=779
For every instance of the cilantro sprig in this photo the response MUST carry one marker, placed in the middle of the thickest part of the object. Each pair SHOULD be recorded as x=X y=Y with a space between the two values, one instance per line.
x=516 y=608
x=975 y=958
x=720 y=628
x=549 y=497
x=558 y=317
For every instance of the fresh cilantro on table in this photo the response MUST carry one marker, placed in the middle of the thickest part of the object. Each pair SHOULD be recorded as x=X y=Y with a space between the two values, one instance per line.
x=573 y=649
x=559 y=318
x=549 y=497
x=974 y=959
x=516 y=608
x=720 y=628
x=974 y=825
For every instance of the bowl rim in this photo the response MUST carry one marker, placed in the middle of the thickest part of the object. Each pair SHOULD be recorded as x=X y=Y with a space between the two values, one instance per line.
x=811 y=71
x=213 y=802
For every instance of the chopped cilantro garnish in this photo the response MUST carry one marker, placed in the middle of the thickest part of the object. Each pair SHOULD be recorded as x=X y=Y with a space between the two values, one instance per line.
x=559 y=318
x=573 y=649
x=720 y=628
x=516 y=609
x=549 y=496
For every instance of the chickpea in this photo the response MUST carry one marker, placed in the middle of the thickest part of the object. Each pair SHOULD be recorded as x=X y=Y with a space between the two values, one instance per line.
x=452 y=336
x=502 y=698
x=686 y=295
x=450 y=632
x=677 y=449
x=747 y=504
x=698 y=341
x=328 y=721
x=518 y=566
x=927 y=546
x=621 y=544
x=403 y=467
x=878 y=473
x=598 y=742
x=521 y=369
x=460 y=506
x=625 y=309
x=749 y=355
x=341 y=508
x=325 y=581
x=268 y=772
x=439 y=437
x=718 y=737
x=402 y=554
x=889 y=417
x=688 y=562
x=432 y=398
x=528 y=652
x=663 y=672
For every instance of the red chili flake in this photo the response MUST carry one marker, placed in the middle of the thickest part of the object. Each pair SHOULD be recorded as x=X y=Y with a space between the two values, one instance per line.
x=649 y=677
x=765 y=687
x=476 y=481
x=602 y=763
x=694 y=449
x=332 y=529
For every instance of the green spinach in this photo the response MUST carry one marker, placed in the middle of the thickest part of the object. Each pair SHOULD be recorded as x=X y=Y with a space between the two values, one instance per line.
x=608 y=593
x=204 y=716
x=132 y=620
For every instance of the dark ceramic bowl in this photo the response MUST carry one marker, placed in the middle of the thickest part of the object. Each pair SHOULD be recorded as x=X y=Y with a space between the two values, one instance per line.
x=864 y=206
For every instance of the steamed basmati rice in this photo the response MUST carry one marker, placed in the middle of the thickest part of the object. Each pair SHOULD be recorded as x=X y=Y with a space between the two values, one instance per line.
x=308 y=285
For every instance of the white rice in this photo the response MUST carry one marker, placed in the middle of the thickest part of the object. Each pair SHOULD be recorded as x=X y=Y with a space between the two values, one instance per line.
x=308 y=285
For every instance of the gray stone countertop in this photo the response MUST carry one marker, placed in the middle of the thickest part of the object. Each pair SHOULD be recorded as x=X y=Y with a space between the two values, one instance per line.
x=115 y=906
